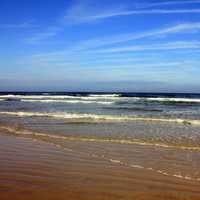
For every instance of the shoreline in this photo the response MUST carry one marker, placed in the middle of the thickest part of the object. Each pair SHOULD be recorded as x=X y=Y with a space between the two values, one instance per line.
x=20 y=131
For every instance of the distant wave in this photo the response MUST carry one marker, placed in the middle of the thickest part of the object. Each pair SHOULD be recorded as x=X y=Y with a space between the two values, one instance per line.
x=160 y=99
x=38 y=96
x=54 y=99
x=66 y=101
x=128 y=108
x=100 y=118
x=104 y=95
x=115 y=98
x=60 y=97
x=177 y=100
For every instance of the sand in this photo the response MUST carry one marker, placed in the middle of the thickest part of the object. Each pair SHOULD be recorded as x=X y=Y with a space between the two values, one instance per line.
x=33 y=169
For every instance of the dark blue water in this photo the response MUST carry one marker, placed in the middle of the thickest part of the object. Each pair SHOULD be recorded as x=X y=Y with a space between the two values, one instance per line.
x=125 y=94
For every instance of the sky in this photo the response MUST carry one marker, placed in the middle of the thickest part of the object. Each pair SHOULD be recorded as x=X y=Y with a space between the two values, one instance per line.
x=100 y=45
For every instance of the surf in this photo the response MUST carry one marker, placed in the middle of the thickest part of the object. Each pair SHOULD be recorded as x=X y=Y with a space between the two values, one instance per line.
x=100 y=118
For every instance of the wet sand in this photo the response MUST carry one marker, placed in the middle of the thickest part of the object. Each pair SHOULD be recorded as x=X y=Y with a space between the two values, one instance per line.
x=35 y=169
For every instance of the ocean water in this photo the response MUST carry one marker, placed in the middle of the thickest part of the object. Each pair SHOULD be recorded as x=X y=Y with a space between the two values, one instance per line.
x=150 y=118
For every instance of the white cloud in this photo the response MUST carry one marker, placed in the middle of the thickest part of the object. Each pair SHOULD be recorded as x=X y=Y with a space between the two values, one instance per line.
x=84 y=48
x=166 y=3
x=103 y=41
x=88 y=12
x=110 y=14
x=137 y=12
x=50 y=32
x=165 y=46
x=17 y=26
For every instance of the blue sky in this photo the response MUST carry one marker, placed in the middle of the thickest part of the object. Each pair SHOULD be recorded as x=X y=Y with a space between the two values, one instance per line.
x=100 y=45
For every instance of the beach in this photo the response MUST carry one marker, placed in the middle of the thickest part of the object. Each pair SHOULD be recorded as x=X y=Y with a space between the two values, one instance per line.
x=100 y=100
x=61 y=150
x=32 y=169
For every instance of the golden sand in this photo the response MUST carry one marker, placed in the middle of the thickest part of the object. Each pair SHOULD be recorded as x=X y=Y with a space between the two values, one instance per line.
x=32 y=170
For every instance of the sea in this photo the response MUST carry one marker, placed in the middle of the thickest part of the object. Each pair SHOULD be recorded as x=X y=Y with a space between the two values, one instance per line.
x=168 y=118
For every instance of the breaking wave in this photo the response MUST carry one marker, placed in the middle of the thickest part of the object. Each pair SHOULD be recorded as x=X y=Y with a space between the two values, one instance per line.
x=104 y=95
x=60 y=96
x=99 y=98
x=100 y=118
x=67 y=101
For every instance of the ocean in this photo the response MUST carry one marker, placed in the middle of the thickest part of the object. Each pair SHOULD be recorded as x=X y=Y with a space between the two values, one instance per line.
x=145 y=116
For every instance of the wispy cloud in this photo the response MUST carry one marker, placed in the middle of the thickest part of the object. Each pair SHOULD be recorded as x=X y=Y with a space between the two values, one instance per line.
x=83 y=48
x=85 y=13
x=103 y=41
x=166 y=3
x=50 y=32
x=165 y=46
x=88 y=11
x=158 y=11
x=110 y=14
x=17 y=26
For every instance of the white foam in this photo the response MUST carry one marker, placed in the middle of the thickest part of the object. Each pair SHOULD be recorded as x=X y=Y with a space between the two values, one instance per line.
x=188 y=178
x=186 y=100
x=65 y=115
x=178 y=176
x=137 y=166
x=115 y=161
x=112 y=97
x=104 y=95
x=38 y=96
x=67 y=101
x=104 y=100
x=59 y=96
